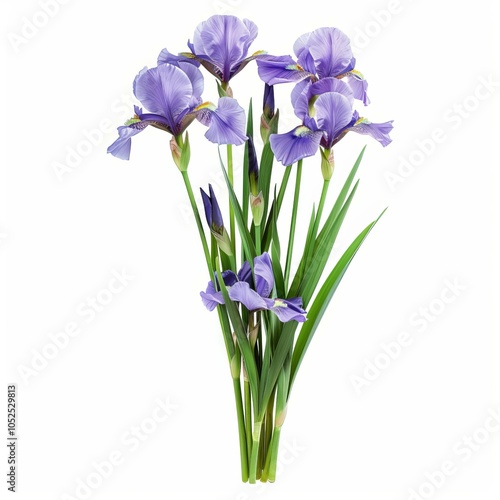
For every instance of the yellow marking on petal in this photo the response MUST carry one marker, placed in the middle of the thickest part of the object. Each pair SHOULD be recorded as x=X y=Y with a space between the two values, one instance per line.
x=131 y=121
x=295 y=67
x=362 y=120
x=279 y=303
x=302 y=131
x=188 y=55
x=206 y=105
x=357 y=74
x=259 y=53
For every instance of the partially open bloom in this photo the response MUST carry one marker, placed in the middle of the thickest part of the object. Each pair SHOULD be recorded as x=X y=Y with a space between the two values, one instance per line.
x=220 y=44
x=326 y=110
x=214 y=220
x=254 y=294
x=323 y=53
x=172 y=95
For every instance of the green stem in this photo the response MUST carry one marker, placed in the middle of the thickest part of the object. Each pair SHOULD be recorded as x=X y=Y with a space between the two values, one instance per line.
x=273 y=454
x=324 y=191
x=258 y=240
x=230 y=174
x=196 y=213
x=241 y=430
x=255 y=451
x=284 y=183
x=248 y=417
x=291 y=238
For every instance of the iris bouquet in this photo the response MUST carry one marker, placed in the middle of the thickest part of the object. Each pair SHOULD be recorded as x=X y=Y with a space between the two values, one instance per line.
x=267 y=308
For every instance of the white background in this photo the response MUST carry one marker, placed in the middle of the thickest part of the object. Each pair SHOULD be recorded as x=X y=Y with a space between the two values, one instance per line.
x=62 y=238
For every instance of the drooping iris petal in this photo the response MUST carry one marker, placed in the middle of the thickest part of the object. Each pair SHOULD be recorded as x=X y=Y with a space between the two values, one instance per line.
x=226 y=123
x=223 y=41
x=379 y=131
x=359 y=87
x=280 y=69
x=167 y=57
x=241 y=292
x=295 y=145
x=121 y=147
x=333 y=114
x=286 y=310
x=331 y=50
x=264 y=277
x=211 y=298
x=165 y=90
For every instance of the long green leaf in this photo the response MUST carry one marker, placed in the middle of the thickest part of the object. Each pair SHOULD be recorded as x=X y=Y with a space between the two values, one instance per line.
x=322 y=300
x=246 y=188
x=322 y=253
x=325 y=232
x=282 y=350
x=246 y=239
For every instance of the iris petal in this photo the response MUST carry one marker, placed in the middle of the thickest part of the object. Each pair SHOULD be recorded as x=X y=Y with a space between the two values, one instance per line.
x=295 y=145
x=165 y=90
x=280 y=69
x=359 y=87
x=264 y=277
x=227 y=123
x=333 y=113
x=121 y=147
x=286 y=310
x=224 y=41
x=241 y=292
x=379 y=131
x=331 y=51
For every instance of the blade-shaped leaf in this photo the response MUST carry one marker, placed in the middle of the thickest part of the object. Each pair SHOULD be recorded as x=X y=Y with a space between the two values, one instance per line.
x=246 y=239
x=322 y=300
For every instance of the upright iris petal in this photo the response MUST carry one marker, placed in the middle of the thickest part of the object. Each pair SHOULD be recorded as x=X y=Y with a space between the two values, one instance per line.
x=255 y=296
x=220 y=44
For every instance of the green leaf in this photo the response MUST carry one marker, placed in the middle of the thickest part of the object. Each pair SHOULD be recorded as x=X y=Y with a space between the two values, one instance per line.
x=265 y=173
x=282 y=350
x=322 y=300
x=311 y=246
x=246 y=187
x=246 y=239
x=275 y=208
x=322 y=252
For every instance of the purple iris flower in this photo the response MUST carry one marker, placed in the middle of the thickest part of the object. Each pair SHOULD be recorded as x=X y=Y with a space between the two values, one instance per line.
x=172 y=95
x=254 y=294
x=220 y=44
x=326 y=110
x=323 y=53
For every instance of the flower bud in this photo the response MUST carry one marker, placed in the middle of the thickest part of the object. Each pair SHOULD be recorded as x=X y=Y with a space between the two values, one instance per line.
x=214 y=220
x=257 y=207
x=253 y=167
